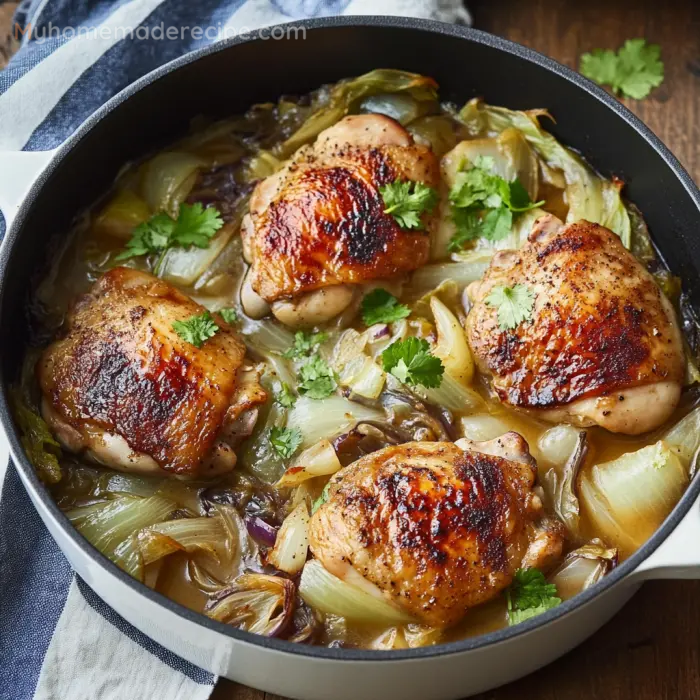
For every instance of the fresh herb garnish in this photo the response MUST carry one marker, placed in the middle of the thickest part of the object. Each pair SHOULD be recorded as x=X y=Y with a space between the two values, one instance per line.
x=321 y=499
x=285 y=441
x=304 y=345
x=514 y=304
x=406 y=200
x=411 y=362
x=529 y=595
x=229 y=315
x=483 y=204
x=285 y=397
x=633 y=71
x=381 y=307
x=194 y=226
x=196 y=329
x=316 y=379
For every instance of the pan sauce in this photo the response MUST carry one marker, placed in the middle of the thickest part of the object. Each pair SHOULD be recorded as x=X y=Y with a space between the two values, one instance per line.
x=218 y=165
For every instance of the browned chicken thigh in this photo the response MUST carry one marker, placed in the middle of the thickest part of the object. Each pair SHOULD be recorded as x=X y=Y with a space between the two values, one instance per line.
x=317 y=227
x=601 y=345
x=125 y=389
x=437 y=527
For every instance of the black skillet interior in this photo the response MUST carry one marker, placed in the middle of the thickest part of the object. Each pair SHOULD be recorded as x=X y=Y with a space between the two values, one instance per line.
x=229 y=78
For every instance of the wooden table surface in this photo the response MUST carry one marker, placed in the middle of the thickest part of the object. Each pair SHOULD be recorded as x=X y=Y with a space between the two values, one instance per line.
x=650 y=650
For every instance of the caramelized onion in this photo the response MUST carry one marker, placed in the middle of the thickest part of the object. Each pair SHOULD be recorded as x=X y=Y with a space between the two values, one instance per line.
x=256 y=603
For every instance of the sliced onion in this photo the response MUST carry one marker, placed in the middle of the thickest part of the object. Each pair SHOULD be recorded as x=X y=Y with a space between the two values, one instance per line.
x=684 y=437
x=153 y=546
x=318 y=460
x=557 y=444
x=107 y=527
x=124 y=212
x=241 y=550
x=628 y=498
x=292 y=544
x=452 y=347
x=193 y=534
x=128 y=557
x=561 y=486
x=470 y=268
x=168 y=179
x=349 y=346
x=453 y=395
x=203 y=579
x=327 y=418
x=256 y=602
x=363 y=377
x=482 y=427
x=583 y=567
x=329 y=594
x=261 y=531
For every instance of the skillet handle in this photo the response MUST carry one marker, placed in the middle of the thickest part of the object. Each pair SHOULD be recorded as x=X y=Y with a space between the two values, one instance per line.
x=18 y=172
x=679 y=555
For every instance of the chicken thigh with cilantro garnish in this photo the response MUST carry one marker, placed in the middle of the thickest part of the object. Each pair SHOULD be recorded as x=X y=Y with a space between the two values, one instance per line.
x=436 y=527
x=573 y=328
x=354 y=207
x=146 y=380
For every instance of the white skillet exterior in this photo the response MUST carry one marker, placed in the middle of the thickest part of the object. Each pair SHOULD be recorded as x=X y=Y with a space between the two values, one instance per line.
x=441 y=673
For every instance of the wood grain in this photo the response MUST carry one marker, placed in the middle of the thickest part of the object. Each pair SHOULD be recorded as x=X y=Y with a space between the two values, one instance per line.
x=651 y=650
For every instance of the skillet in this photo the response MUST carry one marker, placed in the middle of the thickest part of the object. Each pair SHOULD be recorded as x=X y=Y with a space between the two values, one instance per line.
x=40 y=194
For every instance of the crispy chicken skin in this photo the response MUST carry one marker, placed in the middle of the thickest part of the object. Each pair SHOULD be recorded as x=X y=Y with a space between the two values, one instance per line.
x=320 y=221
x=437 y=527
x=124 y=388
x=603 y=344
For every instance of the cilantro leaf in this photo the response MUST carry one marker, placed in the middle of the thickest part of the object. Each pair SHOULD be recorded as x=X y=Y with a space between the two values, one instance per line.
x=196 y=329
x=411 y=362
x=152 y=236
x=633 y=71
x=285 y=397
x=483 y=203
x=304 y=345
x=381 y=307
x=316 y=379
x=407 y=200
x=194 y=226
x=229 y=315
x=493 y=225
x=529 y=595
x=321 y=499
x=285 y=441
x=514 y=304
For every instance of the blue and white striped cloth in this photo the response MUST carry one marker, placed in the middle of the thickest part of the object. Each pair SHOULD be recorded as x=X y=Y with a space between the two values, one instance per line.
x=58 y=640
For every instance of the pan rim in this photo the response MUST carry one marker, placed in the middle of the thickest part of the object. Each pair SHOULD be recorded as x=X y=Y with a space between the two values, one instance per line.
x=317 y=652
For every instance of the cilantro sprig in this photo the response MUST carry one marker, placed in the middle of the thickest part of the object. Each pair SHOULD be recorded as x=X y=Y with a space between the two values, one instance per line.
x=304 y=345
x=316 y=378
x=411 y=362
x=514 y=304
x=406 y=200
x=229 y=315
x=285 y=396
x=196 y=330
x=194 y=226
x=323 y=498
x=285 y=441
x=633 y=71
x=483 y=203
x=381 y=307
x=529 y=595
